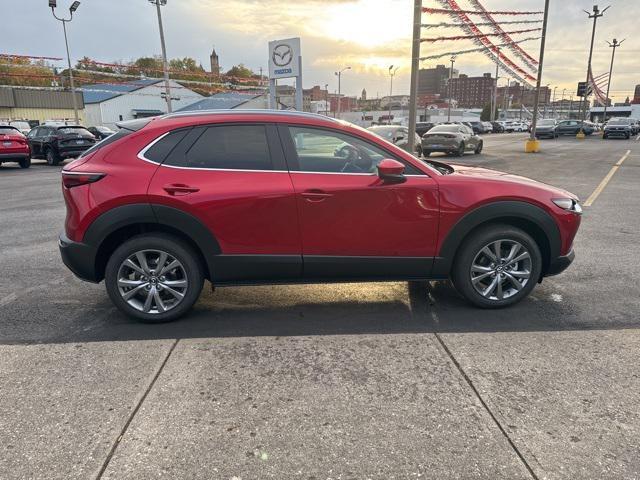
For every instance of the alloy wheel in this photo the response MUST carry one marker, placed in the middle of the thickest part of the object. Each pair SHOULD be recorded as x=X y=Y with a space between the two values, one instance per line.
x=152 y=281
x=501 y=269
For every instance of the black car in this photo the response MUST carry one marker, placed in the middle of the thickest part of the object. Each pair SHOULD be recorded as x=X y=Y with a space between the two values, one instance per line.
x=55 y=143
x=423 y=127
x=101 y=132
x=572 y=127
x=497 y=127
x=547 y=128
x=618 y=127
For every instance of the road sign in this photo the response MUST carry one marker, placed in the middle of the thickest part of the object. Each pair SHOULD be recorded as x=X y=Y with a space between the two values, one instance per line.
x=581 y=89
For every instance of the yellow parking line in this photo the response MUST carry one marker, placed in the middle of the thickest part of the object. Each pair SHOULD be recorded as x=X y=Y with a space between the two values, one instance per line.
x=605 y=180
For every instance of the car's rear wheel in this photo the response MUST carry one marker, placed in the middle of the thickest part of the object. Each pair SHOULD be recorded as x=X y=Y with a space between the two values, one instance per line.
x=52 y=158
x=426 y=153
x=497 y=266
x=155 y=278
x=478 y=149
x=460 y=151
x=25 y=162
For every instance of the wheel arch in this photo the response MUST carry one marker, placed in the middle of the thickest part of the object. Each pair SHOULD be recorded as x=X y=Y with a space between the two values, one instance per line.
x=114 y=227
x=528 y=217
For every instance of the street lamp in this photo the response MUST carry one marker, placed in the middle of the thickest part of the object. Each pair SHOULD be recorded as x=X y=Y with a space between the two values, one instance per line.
x=339 y=75
x=326 y=99
x=74 y=6
x=453 y=60
x=562 y=101
x=165 y=64
x=553 y=102
x=613 y=45
x=392 y=72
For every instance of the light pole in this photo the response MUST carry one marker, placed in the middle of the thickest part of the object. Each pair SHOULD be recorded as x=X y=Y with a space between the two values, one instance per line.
x=494 y=98
x=74 y=6
x=339 y=75
x=392 y=72
x=165 y=64
x=532 y=145
x=453 y=60
x=553 y=103
x=562 y=101
x=595 y=15
x=613 y=45
x=326 y=99
x=546 y=102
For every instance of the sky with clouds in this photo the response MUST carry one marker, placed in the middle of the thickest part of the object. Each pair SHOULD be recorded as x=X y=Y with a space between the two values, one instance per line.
x=367 y=35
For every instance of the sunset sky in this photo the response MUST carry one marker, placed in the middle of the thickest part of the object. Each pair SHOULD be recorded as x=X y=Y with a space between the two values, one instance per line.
x=367 y=35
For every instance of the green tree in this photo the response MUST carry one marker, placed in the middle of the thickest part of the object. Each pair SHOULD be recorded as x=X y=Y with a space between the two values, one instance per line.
x=240 y=71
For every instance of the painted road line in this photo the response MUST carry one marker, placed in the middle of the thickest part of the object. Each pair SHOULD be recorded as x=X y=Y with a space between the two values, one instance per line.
x=605 y=180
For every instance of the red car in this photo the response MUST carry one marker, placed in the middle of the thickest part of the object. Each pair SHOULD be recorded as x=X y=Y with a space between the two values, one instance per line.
x=14 y=147
x=257 y=197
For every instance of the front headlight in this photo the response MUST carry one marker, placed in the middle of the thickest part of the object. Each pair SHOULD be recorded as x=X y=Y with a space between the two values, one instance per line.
x=568 y=204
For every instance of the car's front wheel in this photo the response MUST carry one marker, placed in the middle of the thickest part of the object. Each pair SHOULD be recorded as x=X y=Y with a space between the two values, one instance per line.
x=154 y=278
x=497 y=266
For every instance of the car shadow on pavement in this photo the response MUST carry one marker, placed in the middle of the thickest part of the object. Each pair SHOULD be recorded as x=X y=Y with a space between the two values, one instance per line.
x=344 y=309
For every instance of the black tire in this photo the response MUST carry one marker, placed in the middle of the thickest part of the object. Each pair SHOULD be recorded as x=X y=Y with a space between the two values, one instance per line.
x=25 y=162
x=52 y=158
x=426 y=153
x=472 y=246
x=460 y=151
x=419 y=152
x=478 y=149
x=174 y=247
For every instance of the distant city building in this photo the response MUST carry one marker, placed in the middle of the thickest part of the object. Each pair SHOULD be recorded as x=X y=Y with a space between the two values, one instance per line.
x=215 y=62
x=472 y=92
x=515 y=95
x=315 y=93
x=636 y=96
x=433 y=81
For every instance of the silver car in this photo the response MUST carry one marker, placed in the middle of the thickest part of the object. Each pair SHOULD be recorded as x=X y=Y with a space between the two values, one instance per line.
x=452 y=139
x=398 y=135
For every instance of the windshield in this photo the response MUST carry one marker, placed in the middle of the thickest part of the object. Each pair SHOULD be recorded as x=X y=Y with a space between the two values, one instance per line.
x=73 y=130
x=440 y=167
x=4 y=130
x=546 y=123
x=444 y=128
x=384 y=132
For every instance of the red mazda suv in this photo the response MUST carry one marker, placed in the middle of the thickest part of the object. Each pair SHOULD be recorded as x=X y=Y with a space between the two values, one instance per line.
x=270 y=197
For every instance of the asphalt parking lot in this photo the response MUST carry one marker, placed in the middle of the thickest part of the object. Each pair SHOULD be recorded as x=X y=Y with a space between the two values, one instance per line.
x=380 y=381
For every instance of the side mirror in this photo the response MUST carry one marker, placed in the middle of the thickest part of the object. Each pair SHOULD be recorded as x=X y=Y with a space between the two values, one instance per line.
x=398 y=138
x=391 y=171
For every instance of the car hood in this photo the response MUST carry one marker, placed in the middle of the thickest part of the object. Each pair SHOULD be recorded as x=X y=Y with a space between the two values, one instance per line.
x=479 y=172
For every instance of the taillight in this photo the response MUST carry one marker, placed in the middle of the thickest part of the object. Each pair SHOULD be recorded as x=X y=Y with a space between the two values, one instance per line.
x=75 y=179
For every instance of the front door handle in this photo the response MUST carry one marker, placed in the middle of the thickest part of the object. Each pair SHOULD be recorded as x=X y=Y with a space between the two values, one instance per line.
x=179 y=189
x=316 y=195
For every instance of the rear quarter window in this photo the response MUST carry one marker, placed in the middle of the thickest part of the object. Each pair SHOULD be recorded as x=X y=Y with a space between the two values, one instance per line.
x=162 y=147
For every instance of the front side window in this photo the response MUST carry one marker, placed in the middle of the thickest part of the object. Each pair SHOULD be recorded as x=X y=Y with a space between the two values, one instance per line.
x=325 y=151
x=231 y=147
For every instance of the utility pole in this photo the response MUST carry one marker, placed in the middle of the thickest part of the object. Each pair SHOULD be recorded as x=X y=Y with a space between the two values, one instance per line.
x=165 y=64
x=613 y=45
x=74 y=6
x=339 y=75
x=562 y=101
x=494 y=98
x=521 y=100
x=553 y=102
x=570 y=108
x=453 y=60
x=415 y=65
x=392 y=72
x=532 y=145
x=326 y=99
x=595 y=15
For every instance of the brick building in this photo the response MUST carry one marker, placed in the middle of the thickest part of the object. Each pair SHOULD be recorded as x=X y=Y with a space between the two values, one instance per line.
x=472 y=92
x=433 y=81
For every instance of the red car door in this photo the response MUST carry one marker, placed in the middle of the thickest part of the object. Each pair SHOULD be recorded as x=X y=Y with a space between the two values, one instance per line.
x=353 y=224
x=233 y=178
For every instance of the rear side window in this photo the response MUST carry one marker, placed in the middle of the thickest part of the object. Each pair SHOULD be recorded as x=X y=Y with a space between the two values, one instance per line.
x=232 y=147
x=163 y=147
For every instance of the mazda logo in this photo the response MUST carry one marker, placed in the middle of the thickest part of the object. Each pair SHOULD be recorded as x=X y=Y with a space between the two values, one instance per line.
x=282 y=55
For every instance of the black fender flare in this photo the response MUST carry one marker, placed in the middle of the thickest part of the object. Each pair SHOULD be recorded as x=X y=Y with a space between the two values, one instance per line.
x=145 y=213
x=496 y=211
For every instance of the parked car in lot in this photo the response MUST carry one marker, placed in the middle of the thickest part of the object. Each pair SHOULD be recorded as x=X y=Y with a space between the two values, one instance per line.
x=498 y=127
x=100 y=132
x=14 y=147
x=488 y=127
x=635 y=126
x=618 y=127
x=572 y=127
x=56 y=143
x=22 y=125
x=252 y=197
x=547 y=128
x=511 y=127
x=452 y=139
x=424 y=127
x=477 y=127
x=398 y=135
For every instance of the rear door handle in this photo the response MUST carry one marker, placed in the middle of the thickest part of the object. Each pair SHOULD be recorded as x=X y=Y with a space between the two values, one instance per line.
x=179 y=189
x=316 y=195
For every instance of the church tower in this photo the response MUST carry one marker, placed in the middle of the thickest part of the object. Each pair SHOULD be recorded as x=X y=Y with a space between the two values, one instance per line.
x=215 y=63
x=364 y=94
